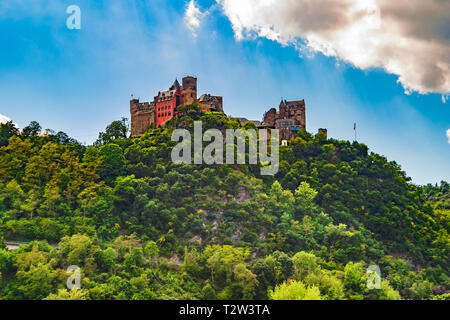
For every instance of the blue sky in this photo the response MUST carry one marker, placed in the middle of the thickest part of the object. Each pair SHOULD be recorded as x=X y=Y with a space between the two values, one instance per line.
x=78 y=81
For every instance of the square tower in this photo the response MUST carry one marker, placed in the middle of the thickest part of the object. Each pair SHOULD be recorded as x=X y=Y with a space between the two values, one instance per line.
x=189 y=90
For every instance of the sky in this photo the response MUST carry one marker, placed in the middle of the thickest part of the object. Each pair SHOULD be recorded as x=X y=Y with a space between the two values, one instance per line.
x=382 y=64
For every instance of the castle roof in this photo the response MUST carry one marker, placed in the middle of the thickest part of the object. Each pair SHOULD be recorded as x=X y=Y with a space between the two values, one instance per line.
x=175 y=85
x=166 y=95
x=207 y=98
x=295 y=103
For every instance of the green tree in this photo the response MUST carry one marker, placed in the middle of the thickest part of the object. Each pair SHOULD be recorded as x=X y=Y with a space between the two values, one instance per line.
x=32 y=130
x=36 y=283
x=115 y=130
x=304 y=264
x=294 y=290
x=74 y=294
x=112 y=162
x=7 y=130
x=355 y=281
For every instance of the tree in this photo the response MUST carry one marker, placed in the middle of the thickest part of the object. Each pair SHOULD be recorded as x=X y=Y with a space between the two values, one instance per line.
x=304 y=264
x=294 y=290
x=246 y=279
x=330 y=286
x=32 y=130
x=7 y=130
x=133 y=261
x=304 y=199
x=355 y=281
x=105 y=259
x=421 y=290
x=221 y=259
x=386 y=292
x=74 y=294
x=112 y=162
x=151 y=251
x=78 y=249
x=34 y=257
x=37 y=283
x=115 y=130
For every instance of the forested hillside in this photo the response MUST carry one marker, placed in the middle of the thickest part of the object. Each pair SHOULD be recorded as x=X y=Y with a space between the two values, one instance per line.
x=142 y=227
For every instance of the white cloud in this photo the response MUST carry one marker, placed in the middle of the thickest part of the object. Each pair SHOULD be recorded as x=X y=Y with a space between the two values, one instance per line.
x=4 y=119
x=192 y=17
x=448 y=135
x=408 y=38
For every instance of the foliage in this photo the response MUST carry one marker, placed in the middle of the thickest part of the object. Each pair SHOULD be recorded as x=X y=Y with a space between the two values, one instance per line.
x=141 y=227
x=294 y=290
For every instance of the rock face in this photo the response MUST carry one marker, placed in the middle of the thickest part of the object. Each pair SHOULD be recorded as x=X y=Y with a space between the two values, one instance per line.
x=165 y=103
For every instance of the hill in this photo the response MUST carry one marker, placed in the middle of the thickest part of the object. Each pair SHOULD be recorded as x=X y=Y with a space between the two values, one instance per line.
x=142 y=227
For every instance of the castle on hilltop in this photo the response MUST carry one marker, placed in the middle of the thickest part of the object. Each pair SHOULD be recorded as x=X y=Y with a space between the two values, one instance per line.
x=163 y=107
x=288 y=119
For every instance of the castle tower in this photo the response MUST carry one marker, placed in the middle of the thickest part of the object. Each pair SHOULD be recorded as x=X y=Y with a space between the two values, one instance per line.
x=270 y=117
x=134 y=108
x=142 y=116
x=189 y=90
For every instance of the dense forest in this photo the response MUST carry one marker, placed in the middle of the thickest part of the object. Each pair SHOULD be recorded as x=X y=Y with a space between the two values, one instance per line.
x=142 y=227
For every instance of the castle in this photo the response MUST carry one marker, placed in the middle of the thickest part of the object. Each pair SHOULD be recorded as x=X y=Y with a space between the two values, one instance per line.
x=163 y=107
x=290 y=117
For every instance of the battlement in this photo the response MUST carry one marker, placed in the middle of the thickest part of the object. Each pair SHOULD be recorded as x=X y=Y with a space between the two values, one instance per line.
x=142 y=116
x=163 y=107
x=136 y=106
